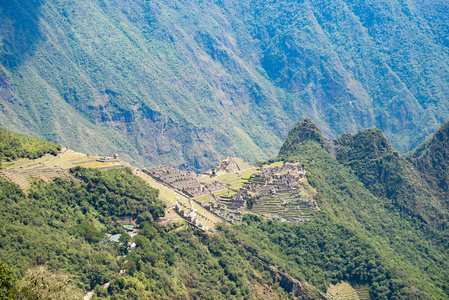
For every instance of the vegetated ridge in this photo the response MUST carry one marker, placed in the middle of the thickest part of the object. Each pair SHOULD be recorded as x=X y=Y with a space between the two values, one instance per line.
x=432 y=160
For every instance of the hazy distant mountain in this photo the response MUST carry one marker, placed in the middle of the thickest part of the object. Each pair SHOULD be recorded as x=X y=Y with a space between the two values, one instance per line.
x=187 y=82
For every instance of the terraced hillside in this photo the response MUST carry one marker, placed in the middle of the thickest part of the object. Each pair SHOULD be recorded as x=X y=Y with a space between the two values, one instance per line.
x=344 y=291
x=231 y=182
x=281 y=191
x=277 y=191
x=288 y=204
x=48 y=167
x=184 y=206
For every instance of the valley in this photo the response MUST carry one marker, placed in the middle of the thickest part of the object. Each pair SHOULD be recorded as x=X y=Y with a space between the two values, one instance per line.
x=188 y=84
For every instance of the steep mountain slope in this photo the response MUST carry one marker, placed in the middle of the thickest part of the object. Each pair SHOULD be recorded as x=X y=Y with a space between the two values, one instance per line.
x=387 y=174
x=432 y=160
x=374 y=199
x=186 y=83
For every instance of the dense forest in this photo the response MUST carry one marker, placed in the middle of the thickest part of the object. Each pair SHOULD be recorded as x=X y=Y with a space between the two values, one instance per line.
x=13 y=146
x=62 y=226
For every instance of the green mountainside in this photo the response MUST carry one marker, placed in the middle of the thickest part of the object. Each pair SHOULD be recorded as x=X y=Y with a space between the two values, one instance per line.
x=377 y=195
x=381 y=227
x=432 y=160
x=389 y=175
x=14 y=146
x=188 y=83
x=56 y=232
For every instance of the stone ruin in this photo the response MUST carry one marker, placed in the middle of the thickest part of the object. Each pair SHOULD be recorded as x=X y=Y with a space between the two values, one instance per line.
x=266 y=184
x=185 y=182
x=279 y=186
x=232 y=165
x=285 y=176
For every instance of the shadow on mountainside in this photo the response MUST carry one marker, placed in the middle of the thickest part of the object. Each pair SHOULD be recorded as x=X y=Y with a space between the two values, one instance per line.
x=19 y=30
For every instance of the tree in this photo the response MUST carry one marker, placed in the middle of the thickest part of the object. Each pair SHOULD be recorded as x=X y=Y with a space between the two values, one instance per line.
x=40 y=283
x=6 y=282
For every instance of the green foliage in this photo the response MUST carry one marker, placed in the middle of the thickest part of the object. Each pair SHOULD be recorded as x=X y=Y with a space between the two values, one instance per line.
x=118 y=193
x=187 y=264
x=386 y=173
x=39 y=283
x=13 y=146
x=42 y=229
x=351 y=216
x=61 y=223
x=303 y=131
x=432 y=160
x=88 y=231
x=58 y=225
x=148 y=231
x=7 y=282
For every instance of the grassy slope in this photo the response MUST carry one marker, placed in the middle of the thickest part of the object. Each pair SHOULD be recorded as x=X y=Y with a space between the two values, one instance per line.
x=186 y=83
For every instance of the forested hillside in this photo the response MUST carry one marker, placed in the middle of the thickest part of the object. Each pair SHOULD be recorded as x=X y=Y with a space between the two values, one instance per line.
x=380 y=227
x=370 y=195
x=54 y=245
x=187 y=83
x=13 y=146
x=432 y=160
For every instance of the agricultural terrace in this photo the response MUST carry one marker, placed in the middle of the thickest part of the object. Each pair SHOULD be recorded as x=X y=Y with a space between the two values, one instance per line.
x=23 y=171
x=185 y=207
x=344 y=291
x=277 y=191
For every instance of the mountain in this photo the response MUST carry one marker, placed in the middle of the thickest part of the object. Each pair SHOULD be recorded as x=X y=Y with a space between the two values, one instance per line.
x=381 y=230
x=431 y=159
x=367 y=188
x=387 y=174
x=188 y=83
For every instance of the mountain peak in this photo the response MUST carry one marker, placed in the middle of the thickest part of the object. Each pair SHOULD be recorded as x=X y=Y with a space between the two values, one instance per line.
x=305 y=130
x=431 y=159
x=369 y=143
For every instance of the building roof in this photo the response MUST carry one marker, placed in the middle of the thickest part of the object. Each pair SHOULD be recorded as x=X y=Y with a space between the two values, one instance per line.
x=114 y=237
x=128 y=227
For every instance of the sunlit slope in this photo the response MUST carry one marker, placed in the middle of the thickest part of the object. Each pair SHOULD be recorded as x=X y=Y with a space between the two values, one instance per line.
x=22 y=171
x=187 y=83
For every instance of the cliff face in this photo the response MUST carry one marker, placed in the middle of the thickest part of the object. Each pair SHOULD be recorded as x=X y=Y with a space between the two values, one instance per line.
x=188 y=83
